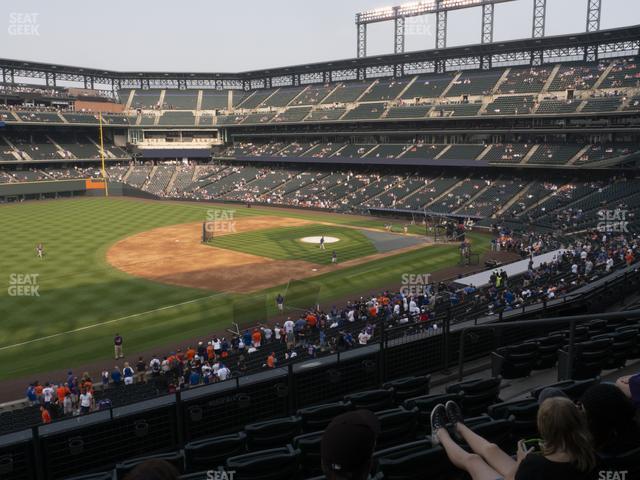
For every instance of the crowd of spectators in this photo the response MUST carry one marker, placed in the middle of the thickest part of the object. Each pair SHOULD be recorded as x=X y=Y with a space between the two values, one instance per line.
x=317 y=332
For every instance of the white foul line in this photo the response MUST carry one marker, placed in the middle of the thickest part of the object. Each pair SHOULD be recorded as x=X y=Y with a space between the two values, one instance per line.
x=87 y=327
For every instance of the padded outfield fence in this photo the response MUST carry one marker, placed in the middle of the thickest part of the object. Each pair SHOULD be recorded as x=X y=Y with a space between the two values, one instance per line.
x=96 y=442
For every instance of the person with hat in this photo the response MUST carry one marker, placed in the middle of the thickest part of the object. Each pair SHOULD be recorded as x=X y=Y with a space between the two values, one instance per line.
x=347 y=445
x=611 y=419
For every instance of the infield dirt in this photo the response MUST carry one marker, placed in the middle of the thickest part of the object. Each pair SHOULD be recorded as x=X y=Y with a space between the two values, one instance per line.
x=174 y=255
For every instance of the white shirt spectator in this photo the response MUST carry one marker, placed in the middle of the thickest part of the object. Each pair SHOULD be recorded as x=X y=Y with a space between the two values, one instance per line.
x=85 y=399
x=47 y=394
x=223 y=373
x=413 y=307
x=67 y=405
x=609 y=264
x=267 y=332
x=154 y=365
x=288 y=326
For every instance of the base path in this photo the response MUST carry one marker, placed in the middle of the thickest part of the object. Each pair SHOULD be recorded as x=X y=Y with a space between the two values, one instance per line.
x=175 y=255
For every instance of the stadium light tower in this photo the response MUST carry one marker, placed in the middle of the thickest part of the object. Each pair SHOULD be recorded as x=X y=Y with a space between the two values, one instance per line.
x=440 y=8
x=593 y=25
x=539 y=17
x=487 y=23
x=593 y=15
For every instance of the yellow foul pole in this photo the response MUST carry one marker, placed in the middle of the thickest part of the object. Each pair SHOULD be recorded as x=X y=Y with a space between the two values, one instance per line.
x=104 y=171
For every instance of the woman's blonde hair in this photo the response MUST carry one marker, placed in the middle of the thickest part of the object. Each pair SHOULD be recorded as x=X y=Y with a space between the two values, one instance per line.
x=563 y=428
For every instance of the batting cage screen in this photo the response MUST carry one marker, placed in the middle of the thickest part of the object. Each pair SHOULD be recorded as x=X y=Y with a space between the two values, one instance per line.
x=301 y=295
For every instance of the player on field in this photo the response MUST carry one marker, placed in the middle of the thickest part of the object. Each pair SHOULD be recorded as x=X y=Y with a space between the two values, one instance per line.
x=322 y=242
x=40 y=251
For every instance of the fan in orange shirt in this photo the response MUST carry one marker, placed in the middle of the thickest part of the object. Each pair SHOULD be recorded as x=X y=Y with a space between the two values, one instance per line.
x=312 y=320
x=190 y=353
x=46 y=416
x=256 y=338
x=629 y=257
x=61 y=392
x=271 y=360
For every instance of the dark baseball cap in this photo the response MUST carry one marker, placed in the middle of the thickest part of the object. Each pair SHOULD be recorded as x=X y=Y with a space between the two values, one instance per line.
x=349 y=440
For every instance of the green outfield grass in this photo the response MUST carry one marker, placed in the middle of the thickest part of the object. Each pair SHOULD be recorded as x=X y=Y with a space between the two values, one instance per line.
x=83 y=301
x=284 y=243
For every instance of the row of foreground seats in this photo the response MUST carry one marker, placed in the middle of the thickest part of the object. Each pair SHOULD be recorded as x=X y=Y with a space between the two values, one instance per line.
x=281 y=449
x=599 y=345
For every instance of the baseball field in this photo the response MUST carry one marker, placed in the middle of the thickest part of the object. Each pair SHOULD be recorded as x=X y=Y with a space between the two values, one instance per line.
x=139 y=268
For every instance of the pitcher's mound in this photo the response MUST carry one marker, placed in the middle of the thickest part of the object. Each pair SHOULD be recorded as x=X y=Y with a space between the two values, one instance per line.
x=316 y=240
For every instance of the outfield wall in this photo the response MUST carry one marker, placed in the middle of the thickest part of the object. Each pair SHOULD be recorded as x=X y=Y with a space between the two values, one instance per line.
x=64 y=189
x=42 y=188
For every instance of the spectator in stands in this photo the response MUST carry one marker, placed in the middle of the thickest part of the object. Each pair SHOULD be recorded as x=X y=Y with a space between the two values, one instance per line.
x=127 y=373
x=116 y=376
x=271 y=360
x=347 y=445
x=86 y=402
x=610 y=416
x=45 y=415
x=31 y=394
x=565 y=450
x=141 y=369
x=67 y=405
x=153 y=469
x=223 y=372
x=630 y=386
x=47 y=396
x=105 y=378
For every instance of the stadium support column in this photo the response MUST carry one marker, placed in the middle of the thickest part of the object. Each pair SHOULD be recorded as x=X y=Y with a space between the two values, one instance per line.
x=593 y=25
x=441 y=27
x=362 y=37
x=487 y=32
x=50 y=79
x=398 y=37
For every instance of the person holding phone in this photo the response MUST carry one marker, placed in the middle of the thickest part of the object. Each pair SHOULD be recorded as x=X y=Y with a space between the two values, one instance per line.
x=565 y=447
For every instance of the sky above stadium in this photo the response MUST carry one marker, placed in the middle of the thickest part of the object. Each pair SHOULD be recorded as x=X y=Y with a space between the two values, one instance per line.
x=240 y=35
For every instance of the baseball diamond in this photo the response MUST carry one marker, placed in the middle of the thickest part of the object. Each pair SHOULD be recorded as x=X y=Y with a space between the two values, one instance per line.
x=133 y=257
